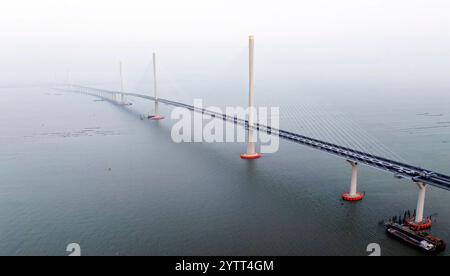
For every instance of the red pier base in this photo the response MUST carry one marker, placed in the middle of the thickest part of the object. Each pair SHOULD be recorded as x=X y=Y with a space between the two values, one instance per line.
x=347 y=197
x=425 y=224
x=156 y=117
x=250 y=156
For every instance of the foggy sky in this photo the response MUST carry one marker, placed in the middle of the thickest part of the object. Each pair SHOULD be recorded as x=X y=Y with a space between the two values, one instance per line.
x=404 y=41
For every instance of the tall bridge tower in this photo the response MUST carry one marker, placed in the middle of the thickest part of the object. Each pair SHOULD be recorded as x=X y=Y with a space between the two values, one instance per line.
x=155 y=116
x=251 y=140
x=122 y=97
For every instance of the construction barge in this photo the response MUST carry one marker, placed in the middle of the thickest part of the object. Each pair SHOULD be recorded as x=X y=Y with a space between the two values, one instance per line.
x=416 y=238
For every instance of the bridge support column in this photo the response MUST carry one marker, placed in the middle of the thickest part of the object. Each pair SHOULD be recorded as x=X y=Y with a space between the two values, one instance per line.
x=418 y=222
x=156 y=116
x=421 y=202
x=122 y=97
x=251 y=141
x=353 y=195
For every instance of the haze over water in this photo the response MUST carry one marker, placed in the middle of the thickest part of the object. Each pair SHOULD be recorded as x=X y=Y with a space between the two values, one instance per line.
x=74 y=169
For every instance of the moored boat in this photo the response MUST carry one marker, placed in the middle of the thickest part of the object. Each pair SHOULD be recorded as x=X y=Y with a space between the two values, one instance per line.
x=419 y=239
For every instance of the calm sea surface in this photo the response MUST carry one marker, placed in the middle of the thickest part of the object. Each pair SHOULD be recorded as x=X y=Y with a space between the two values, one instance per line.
x=77 y=170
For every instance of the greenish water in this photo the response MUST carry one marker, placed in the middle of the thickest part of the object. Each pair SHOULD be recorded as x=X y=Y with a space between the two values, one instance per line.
x=76 y=170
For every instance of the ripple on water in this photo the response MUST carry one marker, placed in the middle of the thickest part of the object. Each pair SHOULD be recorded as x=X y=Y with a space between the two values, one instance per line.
x=86 y=132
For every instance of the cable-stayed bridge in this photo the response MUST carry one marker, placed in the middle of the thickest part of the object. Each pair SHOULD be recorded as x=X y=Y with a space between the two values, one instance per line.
x=399 y=169
x=423 y=177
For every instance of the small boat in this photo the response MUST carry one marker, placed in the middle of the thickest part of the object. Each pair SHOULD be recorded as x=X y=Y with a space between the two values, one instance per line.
x=418 y=239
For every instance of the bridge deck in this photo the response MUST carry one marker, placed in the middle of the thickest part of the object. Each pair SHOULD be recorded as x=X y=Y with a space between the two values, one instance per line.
x=397 y=168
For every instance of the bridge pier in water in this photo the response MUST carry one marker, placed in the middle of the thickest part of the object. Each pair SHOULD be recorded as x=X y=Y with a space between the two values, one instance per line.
x=155 y=116
x=251 y=150
x=353 y=195
x=421 y=202
x=418 y=221
x=122 y=97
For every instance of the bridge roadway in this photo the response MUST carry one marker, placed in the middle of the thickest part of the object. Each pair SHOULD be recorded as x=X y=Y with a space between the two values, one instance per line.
x=400 y=170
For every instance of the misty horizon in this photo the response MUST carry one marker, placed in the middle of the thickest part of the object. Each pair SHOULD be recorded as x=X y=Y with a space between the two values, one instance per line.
x=349 y=42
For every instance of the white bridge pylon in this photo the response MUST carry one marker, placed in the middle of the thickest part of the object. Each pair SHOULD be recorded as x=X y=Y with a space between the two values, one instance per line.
x=421 y=202
x=353 y=195
x=156 y=116
x=417 y=221
x=122 y=89
x=122 y=97
x=251 y=144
